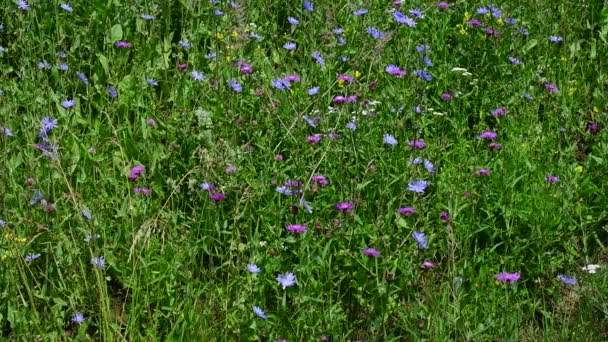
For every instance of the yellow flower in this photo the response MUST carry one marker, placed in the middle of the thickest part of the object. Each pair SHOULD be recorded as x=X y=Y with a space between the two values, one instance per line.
x=595 y=109
x=341 y=83
x=228 y=59
x=235 y=34
x=571 y=91
x=564 y=59
x=21 y=240
x=3 y=257
x=219 y=35
x=499 y=21
x=467 y=16
x=357 y=74
x=579 y=169
x=230 y=47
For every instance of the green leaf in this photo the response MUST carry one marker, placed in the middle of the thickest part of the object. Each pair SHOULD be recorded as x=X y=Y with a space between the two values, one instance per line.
x=116 y=33
x=104 y=63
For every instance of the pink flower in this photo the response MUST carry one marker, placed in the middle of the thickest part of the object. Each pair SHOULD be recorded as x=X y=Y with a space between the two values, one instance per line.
x=483 y=172
x=427 y=265
x=447 y=96
x=151 y=122
x=552 y=88
x=344 y=206
x=136 y=171
x=121 y=44
x=339 y=99
x=319 y=179
x=417 y=144
x=313 y=139
x=296 y=228
x=345 y=78
x=217 y=197
x=443 y=5
x=278 y=157
x=371 y=252
x=407 y=211
x=506 y=277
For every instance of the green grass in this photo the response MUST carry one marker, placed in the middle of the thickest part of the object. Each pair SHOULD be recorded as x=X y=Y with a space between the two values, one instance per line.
x=176 y=261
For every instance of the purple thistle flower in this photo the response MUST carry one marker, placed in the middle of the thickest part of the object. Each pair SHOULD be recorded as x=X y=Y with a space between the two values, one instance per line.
x=259 y=312
x=290 y=46
x=77 y=318
x=344 y=206
x=66 y=7
x=121 y=44
x=313 y=139
x=489 y=135
x=418 y=186
x=407 y=211
x=287 y=279
x=68 y=104
x=495 y=145
x=296 y=228
x=427 y=265
x=390 y=140
x=82 y=77
x=566 y=280
x=98 y=261
x=506 y=277
x=593 y=128
x=375 y=33
x=552 y=88
x=417 y=144
x=320 y=179
x=444 y=217
x=500 y=111
x=292 y=78
x=421 y=240
x=136 y=172
x=475 y=22
x=443 y=5
x=217 y=197
x=551 y=179
x=483 y=172
x=371 y=252
x=447 y=96
x=253 y=268
x=360 y=12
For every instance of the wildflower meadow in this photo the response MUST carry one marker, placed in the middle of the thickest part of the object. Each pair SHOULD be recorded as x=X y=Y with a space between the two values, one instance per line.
x=265 y=170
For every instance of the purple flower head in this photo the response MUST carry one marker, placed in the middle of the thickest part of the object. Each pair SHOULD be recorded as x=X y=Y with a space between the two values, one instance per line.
x=313 y=139
x=68 y=104
x=506 y=277
x=292 y=78
x=98 y=262
x=278 y=157
x=77 y=318
x=390 y=140
x=287 y=279
x=320 y=179
x=500 y=111
x=121 y=44
x=394 y=70
x=489 y=135
x=443 y=5
x=593 y=128
x=444 y=216
x=296 y=228
x=371 y=252
x=259 y=312
x=551 y=179
x=475 y=22
x=136 y=172
x=552 y=88
x=344 y=206
x=375 y=33
x=403 y=19
x=421 y=240
x=495 y=146
x=566 y=280
x=217 y=197
x=417 y=144
x=427 y=265
x=290 y=46
x=345 y=78
x=418 y=186
x=447 y=96
x=483 y=172
x=230 y=169
x=407 y=211
x=360 y=12
x=293 y=21
x=253 y=268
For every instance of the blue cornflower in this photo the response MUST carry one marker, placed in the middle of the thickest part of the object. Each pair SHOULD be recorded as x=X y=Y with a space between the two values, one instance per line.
x=197 y=75
x=43 y=65
x=421 y=240
x=556 y=39
x=417 y=109
x=511 y=21
x=62 y=54
x=235 y=86
x=68 y=103
x=523 y=31
x=23 y=5
x=306 y=205
x=416 y=161
x=256 y=36
x=427 y=61
x=112 y=91
x=77 y=318
x=32 y=257
x=290 y=46
x=1 y=27
x=360 y=12
x=352 y=126
x=82 y=77
x=316 y=55
x=375 y=33
x=309 y=121
x=253 y=268
x=418 y=186
x=259 y=312
x=293 y=21
x=482 y=10
x=313 y=91
x=423 y=74
x=422 y=48
x=86 y=214
x=416 y=12
x=341 y=41
x=218 y=12
x=528 y=96
x=210 y=55
x=98 y=261
x=184 y=44
x=429 y=166
x=496 y=13
x=514 y=60
x=151 y=82
x=281 y=84
x=390 y=140
x=343 y=59
x=37 y=197
x=2 y=223
x=287 y=279
x=66 y=7
x=308 y=6
x=403 y=19
x=567 y=280
x=63 y=66
x=147 y=17
x=48 y=123
x=338 y=31
x=6 y=131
